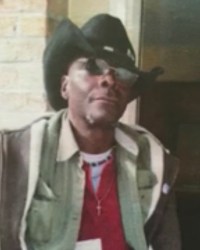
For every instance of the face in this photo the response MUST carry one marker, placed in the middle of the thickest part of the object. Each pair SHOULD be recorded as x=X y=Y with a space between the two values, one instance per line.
x=95 y=94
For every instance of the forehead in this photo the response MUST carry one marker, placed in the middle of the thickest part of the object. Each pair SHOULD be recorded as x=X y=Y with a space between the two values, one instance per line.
x=82 y=61
x=78 y=63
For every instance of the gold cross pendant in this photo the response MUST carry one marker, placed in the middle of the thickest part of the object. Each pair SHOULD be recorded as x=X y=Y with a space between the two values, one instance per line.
x=98 y=208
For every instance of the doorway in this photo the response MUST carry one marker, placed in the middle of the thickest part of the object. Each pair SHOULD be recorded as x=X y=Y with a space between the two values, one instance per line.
x=170 y=38
x=172 y=112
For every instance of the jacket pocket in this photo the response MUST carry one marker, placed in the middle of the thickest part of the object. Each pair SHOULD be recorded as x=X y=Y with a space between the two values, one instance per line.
x=146 y=181
x=40 y=220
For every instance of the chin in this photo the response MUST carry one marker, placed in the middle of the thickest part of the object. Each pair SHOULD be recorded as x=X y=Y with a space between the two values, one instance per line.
x=101 y=120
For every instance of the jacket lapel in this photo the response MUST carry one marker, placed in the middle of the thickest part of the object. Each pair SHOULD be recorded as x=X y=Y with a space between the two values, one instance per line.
x=36 y=139
x=129 y=200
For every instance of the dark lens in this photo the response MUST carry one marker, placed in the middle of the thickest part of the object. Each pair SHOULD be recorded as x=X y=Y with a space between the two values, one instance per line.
x=125 y=77
x=92 y=67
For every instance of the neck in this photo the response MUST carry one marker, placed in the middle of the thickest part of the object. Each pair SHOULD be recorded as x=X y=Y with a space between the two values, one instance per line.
x=93 y=139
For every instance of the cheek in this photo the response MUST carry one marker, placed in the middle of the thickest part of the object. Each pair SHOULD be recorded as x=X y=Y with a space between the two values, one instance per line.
x=81 y=84
x=78 y=94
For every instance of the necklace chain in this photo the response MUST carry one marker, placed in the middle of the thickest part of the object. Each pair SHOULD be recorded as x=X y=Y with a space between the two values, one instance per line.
x=99 y=163
x=99 y=201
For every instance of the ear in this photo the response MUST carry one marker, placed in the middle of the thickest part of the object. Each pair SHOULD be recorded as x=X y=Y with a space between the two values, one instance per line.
x=64 y=87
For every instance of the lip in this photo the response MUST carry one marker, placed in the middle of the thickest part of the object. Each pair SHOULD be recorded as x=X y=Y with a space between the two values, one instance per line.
x=106 y=100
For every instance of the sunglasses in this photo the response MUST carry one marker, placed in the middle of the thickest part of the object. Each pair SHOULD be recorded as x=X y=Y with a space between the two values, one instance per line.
x=100 y=67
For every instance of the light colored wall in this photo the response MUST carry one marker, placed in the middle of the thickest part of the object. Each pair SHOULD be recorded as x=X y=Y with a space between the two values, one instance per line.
x=56 y=11
x=80 y=11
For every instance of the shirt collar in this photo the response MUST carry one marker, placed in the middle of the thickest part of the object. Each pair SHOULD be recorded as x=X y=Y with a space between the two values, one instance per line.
x=68 y=146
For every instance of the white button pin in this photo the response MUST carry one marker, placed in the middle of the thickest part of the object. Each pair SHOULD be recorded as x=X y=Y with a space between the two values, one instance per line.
x=165 y=188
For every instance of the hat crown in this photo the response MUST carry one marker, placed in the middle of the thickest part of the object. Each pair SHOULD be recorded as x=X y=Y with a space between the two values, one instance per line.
x=106 y=31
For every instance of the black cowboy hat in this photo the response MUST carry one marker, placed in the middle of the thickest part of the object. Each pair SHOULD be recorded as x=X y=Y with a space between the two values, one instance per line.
x=102 y=36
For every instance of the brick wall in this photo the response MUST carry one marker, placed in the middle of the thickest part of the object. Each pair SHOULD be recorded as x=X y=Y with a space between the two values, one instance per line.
x=22 y=39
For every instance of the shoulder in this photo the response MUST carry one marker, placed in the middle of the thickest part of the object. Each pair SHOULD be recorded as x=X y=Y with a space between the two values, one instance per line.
x=32 y=133
x=142 y=136
x=21 y=141
x=150 y=146
x=26 y=128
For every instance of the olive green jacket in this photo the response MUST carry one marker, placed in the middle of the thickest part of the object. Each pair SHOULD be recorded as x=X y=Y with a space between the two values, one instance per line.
x=35 y=199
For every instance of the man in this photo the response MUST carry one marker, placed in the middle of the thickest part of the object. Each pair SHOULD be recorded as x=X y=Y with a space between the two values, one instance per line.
x=80 y=179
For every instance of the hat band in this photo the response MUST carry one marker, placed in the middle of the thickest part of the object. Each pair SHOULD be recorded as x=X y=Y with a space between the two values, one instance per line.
x=112 y=49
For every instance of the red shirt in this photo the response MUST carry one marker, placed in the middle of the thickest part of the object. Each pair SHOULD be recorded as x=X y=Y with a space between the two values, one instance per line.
x=106 y=226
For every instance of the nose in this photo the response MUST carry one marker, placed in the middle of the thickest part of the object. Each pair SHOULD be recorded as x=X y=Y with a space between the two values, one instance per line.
x=108 y=78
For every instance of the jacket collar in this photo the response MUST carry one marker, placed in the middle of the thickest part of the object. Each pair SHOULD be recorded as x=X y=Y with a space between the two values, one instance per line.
x=67 y=145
